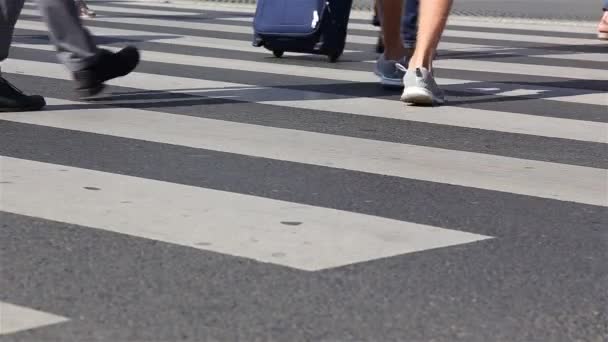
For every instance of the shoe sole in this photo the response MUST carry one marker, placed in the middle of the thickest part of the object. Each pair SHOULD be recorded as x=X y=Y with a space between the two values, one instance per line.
x=420 y=96
x=90 y=93
x=389 y=82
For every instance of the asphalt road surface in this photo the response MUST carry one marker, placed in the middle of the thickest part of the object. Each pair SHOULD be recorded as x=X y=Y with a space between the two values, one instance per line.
x=540 y=9
x=222 y=194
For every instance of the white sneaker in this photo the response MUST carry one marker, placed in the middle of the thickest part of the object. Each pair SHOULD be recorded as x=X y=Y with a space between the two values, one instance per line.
x=421 y=88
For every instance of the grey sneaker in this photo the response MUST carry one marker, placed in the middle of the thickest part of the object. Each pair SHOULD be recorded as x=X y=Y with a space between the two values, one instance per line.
x=421 y=88
x=388 y=72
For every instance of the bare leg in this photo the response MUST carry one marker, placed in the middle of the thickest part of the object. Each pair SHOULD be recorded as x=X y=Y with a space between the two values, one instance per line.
x=391 y=11
x=433 y=18
x=420 y=85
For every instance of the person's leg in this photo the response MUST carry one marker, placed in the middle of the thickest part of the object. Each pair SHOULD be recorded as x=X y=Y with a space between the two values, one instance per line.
x=11 y=98
x=390 y=12
x=90 y=66
x=409 y=25
x=602 y=27
x=9 y=12
x=75 y=45
x=420 y=86
x=433 y=17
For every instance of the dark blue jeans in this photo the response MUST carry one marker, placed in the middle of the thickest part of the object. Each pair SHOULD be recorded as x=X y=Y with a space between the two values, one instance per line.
x=409 y=23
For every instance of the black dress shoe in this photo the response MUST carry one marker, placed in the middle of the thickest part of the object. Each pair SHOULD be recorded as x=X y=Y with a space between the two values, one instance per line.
x=14 y=100
x=90 y=81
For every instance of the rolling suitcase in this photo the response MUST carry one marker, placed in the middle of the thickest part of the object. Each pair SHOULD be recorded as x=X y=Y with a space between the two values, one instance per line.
x=307 y=26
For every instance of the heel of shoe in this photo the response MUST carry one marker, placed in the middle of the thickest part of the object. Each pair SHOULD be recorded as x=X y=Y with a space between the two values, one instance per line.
x=418 y=96
x=90 y=92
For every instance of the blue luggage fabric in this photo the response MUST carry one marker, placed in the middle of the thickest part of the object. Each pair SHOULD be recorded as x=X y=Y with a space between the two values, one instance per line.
x=308 y=26
x=288 y=17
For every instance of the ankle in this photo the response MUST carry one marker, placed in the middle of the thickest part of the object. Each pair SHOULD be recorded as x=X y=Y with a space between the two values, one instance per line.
x=420 y=62
x=394 y=54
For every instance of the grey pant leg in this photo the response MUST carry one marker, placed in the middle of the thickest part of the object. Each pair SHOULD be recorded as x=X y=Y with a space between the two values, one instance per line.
x=9 y=12
x=75 y=46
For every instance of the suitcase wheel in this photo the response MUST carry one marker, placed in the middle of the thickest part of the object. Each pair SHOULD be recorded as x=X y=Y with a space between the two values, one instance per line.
x=278 y=53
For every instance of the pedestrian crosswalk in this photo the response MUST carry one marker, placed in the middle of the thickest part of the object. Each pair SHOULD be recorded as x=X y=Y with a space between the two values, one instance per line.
x=295 y=170
x=527 y=123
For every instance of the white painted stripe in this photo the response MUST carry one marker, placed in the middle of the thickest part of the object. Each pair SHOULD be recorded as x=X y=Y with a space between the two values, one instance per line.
x=196 y=5
x=218 y=43
x=497 y=50
x=519 y=68
x=470 y=48
x=523 y=69
x=15 y=318
x=164 y=38
x=234 y=7
x=505 y=37
x=202 y=25
x=589 y=57
x=579 y=27
x=461 y=64
x=482 y=171
x=357 y=39
x=139 y=11
x=454 y=116
x=525 y=24
x=210 y=26
x=351 y=38
x=461 y=117
x=283 y=233
x=450 y=46
x=535 y=53
x=562 y=94
x=245 y=65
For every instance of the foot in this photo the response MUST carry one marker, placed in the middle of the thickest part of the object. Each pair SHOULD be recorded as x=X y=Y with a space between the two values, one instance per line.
x=90 y=81
x=421 y=88
x=387 y=71
x=14 y=100
x=602 y=27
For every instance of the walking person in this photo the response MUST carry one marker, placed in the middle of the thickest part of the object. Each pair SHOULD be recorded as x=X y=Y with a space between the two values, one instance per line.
x=84 y=11
x=89 y=66
x=419 y=84
x=602 y=27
